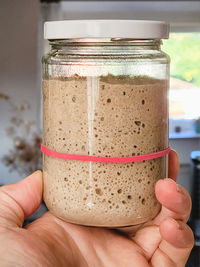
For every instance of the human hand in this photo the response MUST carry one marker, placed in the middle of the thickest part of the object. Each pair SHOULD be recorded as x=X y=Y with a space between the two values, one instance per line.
x=166 y=241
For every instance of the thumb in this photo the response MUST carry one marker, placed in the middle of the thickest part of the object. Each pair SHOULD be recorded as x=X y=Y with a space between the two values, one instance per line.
x=20 y=200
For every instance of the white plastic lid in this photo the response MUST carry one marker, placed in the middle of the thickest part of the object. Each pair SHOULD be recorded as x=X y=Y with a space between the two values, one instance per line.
x=136 y=29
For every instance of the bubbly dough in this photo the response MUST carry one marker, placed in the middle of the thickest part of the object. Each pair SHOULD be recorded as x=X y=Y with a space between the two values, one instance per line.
x=104 y=116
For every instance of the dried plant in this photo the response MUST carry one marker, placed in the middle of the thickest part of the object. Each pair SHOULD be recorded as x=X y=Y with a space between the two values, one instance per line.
x=25 y=155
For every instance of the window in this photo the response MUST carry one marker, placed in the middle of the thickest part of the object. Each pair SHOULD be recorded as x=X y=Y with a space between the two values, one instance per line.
x=184 y=95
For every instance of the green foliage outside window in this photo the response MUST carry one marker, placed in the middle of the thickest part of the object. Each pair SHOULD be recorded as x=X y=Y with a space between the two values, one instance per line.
x=184 y=51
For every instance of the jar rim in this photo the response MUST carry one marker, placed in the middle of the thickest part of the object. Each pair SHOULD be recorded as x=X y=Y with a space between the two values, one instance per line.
x=126 y=29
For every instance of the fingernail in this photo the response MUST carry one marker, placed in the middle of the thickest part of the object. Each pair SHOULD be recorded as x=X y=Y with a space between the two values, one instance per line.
x=170 y=179
x=178 y=188
x=179 y=225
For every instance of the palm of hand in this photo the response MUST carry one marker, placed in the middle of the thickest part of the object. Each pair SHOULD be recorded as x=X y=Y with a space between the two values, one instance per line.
x=53 y=242
x=50 y=241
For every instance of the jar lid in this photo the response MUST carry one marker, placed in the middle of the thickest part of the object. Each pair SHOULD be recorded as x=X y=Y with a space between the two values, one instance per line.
x=132 y=29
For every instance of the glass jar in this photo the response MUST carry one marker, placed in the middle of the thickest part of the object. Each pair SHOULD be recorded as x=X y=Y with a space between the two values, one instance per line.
x=105 y=95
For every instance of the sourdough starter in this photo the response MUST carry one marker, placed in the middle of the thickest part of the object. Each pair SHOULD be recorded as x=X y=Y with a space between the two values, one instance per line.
x=104 y=116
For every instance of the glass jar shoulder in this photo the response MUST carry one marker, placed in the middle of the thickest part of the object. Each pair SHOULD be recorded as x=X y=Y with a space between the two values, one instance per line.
x=59 y=57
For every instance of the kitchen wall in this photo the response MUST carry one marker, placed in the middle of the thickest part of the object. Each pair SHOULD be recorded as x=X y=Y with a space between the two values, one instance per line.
x=18 y=68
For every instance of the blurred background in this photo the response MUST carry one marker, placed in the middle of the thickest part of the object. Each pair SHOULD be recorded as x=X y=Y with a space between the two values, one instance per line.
x=22 y=46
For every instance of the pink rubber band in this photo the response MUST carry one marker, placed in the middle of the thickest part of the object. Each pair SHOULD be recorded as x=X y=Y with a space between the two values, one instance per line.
x=55 y=154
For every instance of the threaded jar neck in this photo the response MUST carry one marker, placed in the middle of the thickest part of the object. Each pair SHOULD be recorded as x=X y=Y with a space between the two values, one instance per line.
x=114 y=46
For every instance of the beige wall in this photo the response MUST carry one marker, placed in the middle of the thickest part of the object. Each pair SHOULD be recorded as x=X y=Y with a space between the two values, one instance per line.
x=18 y=66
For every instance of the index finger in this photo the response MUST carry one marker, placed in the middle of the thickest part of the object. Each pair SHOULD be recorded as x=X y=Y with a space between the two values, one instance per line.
x=175 y=201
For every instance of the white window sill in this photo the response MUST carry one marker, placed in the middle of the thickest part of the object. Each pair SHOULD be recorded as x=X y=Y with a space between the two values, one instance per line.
x=187 y=129
x=184 y=135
